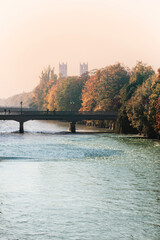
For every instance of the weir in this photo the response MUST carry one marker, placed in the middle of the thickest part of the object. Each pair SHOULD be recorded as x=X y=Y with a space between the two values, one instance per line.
x=68 y=116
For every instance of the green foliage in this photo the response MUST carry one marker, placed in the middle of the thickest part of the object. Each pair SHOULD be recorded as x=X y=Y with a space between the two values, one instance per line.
x=140 y=73
x=123 y=124
x=137 y=108
x=68 y=93
x=135 y=101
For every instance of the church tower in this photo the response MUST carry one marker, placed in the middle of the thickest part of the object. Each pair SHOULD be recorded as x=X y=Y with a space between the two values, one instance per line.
x=83 y=68
x=63 y=70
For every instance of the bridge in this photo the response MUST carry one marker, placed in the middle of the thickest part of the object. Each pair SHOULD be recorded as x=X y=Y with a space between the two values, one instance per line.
x=69 y=116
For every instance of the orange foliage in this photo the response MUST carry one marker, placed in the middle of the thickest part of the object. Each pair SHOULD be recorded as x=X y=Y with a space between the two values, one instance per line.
x=102 y=90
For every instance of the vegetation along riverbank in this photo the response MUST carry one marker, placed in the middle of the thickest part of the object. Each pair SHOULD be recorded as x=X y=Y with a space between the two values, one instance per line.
x=134 y=93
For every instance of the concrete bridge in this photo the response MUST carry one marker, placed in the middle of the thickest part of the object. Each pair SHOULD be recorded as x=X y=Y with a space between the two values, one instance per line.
x=68 y=116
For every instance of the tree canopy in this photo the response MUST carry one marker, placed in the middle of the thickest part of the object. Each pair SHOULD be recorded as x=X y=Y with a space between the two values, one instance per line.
x=134 y=93
x=102 y=90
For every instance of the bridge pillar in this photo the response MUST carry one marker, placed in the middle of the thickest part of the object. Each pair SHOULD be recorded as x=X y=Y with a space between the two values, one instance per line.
x=21 y=128
x=113 y=126
x=72 y=127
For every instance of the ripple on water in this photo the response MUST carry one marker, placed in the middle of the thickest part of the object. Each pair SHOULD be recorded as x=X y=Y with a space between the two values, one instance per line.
x=82 y=186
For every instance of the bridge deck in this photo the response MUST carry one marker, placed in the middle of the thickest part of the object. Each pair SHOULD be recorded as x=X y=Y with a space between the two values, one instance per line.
x=58 y=115
x=72 y=117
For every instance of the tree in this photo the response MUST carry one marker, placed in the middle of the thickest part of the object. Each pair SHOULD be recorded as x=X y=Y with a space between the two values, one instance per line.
x=140 y=73
x=157 y=126
x=102 y=90
x=154 y=104
x=47 y=79
x=67 y=94
x=138 y=108
x=135 y=101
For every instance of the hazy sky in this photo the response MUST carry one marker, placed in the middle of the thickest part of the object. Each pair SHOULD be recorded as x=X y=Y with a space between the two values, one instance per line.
x=36 y=33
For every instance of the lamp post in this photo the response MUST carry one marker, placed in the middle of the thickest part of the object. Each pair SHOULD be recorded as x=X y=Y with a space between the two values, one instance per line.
x=72 y=105
x=21 y=106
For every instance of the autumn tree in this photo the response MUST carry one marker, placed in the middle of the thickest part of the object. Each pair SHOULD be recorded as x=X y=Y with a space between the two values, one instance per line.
x=47 y=79
x=135 y=101
x=154 y=102
x=140 y=73
x=102 y=90
x=137 y=108
x=157 y=125
x=67 y=94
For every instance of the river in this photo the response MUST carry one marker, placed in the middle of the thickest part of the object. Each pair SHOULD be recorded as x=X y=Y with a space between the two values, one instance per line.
x=83 y=186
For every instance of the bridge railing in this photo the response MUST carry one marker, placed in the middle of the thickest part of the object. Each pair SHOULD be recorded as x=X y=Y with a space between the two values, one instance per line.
x=32 y=112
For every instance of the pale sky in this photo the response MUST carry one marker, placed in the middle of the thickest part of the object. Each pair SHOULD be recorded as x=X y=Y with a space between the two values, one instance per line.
x=38 y=33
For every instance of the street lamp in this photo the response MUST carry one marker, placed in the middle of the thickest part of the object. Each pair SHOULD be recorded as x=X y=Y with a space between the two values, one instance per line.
x=72 y=105
x=21 y=106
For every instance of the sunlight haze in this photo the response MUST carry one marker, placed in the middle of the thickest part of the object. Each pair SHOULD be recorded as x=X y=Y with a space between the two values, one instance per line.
x=38 y=33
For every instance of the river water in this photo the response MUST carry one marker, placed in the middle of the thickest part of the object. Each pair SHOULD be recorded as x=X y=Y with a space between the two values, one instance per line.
x=83 y=186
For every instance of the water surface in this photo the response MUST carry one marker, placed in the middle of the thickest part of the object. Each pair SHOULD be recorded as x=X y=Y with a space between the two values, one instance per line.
x=56 y=185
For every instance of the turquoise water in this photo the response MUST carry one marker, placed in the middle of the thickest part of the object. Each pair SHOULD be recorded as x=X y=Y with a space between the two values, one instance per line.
x=84 y=186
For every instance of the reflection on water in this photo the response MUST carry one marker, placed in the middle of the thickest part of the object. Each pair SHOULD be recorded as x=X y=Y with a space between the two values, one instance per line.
x=77 y=186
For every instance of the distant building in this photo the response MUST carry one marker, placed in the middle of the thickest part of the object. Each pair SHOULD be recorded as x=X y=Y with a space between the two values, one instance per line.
x=63 y=70
x=50 y=73
x=83 y=68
